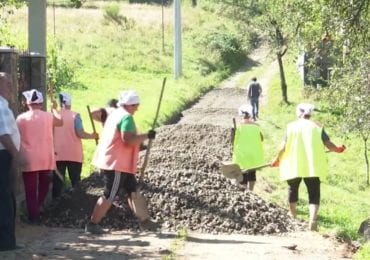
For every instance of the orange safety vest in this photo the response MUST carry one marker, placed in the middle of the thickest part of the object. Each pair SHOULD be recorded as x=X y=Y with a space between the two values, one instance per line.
x=112 y=152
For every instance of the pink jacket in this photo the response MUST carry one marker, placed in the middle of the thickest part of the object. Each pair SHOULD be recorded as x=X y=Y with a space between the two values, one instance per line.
x=67 y=145
x=36 y=130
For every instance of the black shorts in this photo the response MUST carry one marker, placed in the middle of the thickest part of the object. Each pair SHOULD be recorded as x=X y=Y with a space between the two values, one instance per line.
x=118 y=181
x=313 y=189
x=249 y=176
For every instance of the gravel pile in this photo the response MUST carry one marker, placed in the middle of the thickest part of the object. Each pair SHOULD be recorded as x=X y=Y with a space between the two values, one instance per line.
x=184 y=188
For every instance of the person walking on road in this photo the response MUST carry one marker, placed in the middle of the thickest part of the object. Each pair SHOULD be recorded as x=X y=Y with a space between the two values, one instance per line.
x=117 y=157
x=37 y=145
x=302 y=156
x=247 y=146
x=10 y=159
x=254 y=93
x=68 y=145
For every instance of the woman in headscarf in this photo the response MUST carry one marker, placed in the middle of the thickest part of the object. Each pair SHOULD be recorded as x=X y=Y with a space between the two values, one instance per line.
x=302 y=156
x=68 y=145
x=36 y=130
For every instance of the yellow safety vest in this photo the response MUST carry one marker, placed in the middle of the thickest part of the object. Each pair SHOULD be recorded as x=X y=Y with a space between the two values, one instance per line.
x=304 y=154
x=248 y=150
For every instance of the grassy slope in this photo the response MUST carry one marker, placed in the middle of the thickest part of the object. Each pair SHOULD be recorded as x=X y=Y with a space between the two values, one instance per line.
x=344 y=198
x=108 y=58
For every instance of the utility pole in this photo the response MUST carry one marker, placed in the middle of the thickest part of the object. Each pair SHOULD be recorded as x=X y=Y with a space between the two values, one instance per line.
x=177 y=39
x=37 y=26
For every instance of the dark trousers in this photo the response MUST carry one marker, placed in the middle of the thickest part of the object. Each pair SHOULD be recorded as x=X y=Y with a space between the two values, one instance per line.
x=36 y=187
x=255 y=106
x=313 y=189
x=7 y=202
x=74 y=172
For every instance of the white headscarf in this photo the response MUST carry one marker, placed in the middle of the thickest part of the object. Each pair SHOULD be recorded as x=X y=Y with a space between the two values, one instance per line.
x=128 y=97
x=65 y=98
x=245 y=109
x=33 y=96
x=304 y=109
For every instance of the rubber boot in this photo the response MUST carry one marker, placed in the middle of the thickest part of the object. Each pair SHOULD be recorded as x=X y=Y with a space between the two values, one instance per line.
x=251 y=185
x=293 y=209
x=101 y=208
x=314 y=209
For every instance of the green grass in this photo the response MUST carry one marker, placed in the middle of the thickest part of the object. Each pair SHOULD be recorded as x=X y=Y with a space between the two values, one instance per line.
x=177 y=244
x=107 y=58
x=344 y=198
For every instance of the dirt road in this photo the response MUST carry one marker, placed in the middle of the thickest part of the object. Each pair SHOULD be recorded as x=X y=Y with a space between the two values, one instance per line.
x=40 y=242
x=218 y=107
x=302 y=245
x=215 y=108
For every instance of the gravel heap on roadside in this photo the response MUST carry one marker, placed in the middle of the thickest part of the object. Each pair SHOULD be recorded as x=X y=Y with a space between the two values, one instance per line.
x=184 y=188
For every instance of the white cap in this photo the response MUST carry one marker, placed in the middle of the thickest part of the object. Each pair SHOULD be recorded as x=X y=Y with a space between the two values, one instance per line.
x=65 y=99
x=245 y=109
x=304 y=109
x=128 y=97
x=33 y=96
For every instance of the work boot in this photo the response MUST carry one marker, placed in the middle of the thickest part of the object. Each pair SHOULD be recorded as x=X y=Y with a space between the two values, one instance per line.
x=93 y=228
x=148 y=225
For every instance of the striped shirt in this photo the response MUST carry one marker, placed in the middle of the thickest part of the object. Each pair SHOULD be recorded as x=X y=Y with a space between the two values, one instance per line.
x=8 y=125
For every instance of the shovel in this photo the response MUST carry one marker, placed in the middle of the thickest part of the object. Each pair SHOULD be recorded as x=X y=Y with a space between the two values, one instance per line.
x=146 y=158
x=92 y=122
x=232 y=170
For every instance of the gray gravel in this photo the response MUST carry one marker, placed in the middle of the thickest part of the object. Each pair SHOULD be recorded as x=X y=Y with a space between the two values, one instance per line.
x=183 y=183
x=184 y=188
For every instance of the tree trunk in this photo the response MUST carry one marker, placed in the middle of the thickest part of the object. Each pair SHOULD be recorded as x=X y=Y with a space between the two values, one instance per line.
x=367 y=162
x=193 y=3
x=283 y=84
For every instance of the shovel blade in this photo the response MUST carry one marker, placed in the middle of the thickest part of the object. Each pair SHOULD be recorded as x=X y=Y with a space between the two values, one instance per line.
x=232 y=171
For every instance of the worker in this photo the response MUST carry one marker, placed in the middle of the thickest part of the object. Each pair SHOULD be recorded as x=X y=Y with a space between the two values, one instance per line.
x=247 y=146
x=36 y=130
x=117 y=157
x=10 y=159
x=254 y=93
x=68 y=146
x=302 y=156
x=101 y=114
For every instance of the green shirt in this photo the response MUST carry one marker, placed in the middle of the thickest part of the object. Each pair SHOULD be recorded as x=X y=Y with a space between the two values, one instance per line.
x=126 y=124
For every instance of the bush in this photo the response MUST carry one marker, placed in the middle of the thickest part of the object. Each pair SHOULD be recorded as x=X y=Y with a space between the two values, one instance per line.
x=112 y=14
x=228 y=47
x=60 y=72
x=77 y=3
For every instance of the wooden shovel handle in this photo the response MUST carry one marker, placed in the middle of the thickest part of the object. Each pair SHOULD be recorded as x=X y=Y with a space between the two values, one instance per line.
x=92 y=122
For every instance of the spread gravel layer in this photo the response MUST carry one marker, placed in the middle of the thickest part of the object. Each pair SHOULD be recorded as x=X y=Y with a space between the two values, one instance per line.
x=184 y=188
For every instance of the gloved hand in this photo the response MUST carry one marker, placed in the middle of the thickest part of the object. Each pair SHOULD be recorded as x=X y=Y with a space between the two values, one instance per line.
x=151 y=134
x=275 y=163
x=340 y=149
